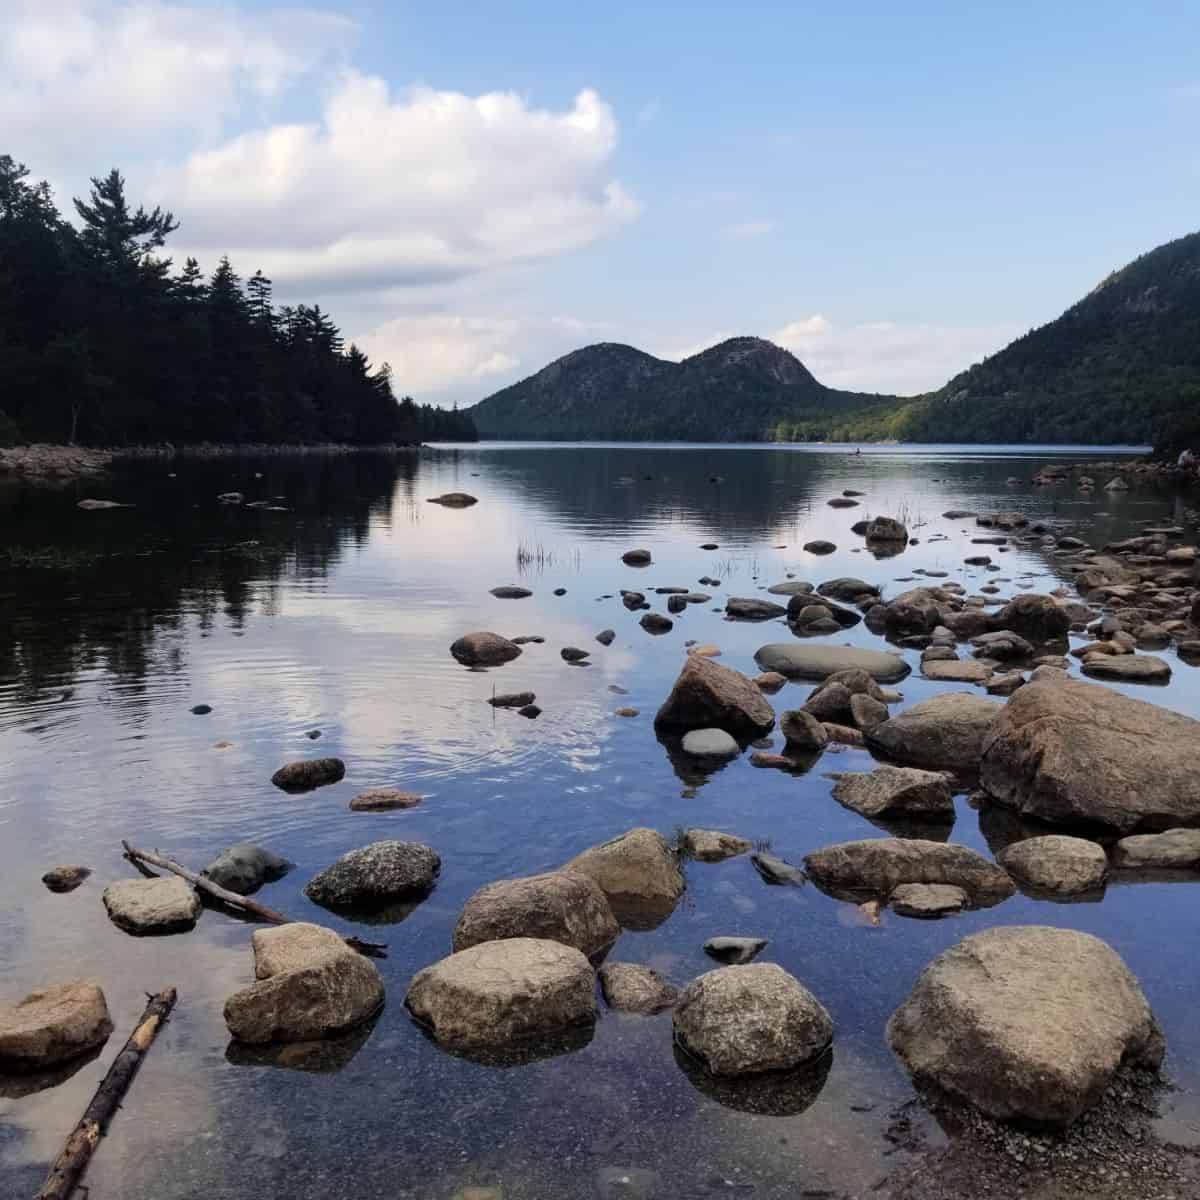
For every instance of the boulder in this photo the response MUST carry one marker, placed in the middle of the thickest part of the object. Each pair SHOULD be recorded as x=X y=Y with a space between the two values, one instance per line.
x=710 y=743
x=374 y=875
x=1027 y=1023
x=385 y=799
x=867 y=712
x=743 y=608
x=790 y=587
x=875 y=867
x=896 y=791
x=819 y=547
x=804 y=731
x=244 y=868
x=928 y=900
x=886 y=529
x=1039 y=618
x=606 y=637
x=812 y=661
x=743 y=1020
x=573 y=654
x=638 y=872
x=968 y=623
x=559 y=906
x=52 y=1026
x=308 y=773
x=1056 y=864
x=945 y=732
x=919 y=610
x=630 y=987
x=1002 y=644
x=1069 y=752
x=848 y=588
x=1127 y=668
x=636 y=558
x=483 y=649
x=1173 y=849
x=65 y=878
x=709 y=845
x=311 y=985
x=498 y=992
x=152 y=906
x=707 y=695
x=656 y=623
x=454 y=500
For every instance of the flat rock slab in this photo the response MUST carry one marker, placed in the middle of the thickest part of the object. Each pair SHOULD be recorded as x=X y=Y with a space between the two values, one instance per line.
x=1027 y=1023
x=945 y=732
x=52 y=1026
x=384 y=800
x=791 y=587
x=497 y=992
x=743 y=1020
x=559 y=906
x=1059 y=865
x=710 y=845
x=1174 y=849
x=818 y=662
x=955 y=670
x=630 y=987
x=152 y=906
x=896 y=791
x=744 y=608
x=876 y=867
x=710 y=743
x=928 y=900
x=1069 y=752
x=1128 y=668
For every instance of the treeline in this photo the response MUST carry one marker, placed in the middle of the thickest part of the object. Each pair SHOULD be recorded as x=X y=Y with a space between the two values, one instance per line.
x=104 y=342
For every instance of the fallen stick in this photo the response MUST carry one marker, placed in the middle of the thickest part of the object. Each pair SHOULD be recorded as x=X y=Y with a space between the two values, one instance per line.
x=245 y=903
x=72 y=1161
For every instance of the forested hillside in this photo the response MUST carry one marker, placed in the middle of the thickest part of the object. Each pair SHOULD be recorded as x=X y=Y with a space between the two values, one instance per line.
x=103 y=341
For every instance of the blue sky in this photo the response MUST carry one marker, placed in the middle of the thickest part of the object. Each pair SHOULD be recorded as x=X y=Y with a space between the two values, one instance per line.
x=890 y=190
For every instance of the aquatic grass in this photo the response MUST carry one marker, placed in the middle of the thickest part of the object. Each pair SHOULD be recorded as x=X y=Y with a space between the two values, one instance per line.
x=535 y=557
x=47 y=558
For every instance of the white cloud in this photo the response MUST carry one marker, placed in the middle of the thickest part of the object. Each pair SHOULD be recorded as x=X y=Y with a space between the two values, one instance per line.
x=391 y=191
x=79 y=77
x=751 y=229
x=889 y=356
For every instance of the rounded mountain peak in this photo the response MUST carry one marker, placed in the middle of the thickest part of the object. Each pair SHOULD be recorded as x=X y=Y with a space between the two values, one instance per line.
x=756 y=355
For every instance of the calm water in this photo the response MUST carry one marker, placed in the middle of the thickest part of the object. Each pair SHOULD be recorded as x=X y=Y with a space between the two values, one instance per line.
x=337 y=615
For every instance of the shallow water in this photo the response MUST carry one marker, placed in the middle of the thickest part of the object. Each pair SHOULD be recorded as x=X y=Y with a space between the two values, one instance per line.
x=337 y=615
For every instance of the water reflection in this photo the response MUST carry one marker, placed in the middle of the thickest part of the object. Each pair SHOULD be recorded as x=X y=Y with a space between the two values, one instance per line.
x=769 y=1093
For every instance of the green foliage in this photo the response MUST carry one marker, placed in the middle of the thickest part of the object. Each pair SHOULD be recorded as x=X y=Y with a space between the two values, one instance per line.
x=101 y=344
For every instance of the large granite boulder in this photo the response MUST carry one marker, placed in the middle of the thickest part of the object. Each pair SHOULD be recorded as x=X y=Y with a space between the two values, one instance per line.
x=310 y=985
x=149 y=907
x=1027 y=1023
x=945 y=732
x=801 y=660
x=1070 y=752
x=1059 y=865
x=1127 y=668
x=746 y=1019
x=244 y=868
x=375 y=875
x=709 y=696
x=891 y=791
x=501 y=991
x=875 y=867
x=559 y=906
x=919 y=610
x=483 y=649
x=638 y=872
x=53 y=1026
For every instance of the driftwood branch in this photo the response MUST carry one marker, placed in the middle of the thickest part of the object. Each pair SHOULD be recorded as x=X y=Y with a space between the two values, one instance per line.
x=244 y=903
x=71 y=1163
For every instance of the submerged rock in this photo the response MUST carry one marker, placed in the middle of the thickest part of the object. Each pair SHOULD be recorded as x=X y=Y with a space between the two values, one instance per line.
x=498 y=992
x=743 y=1020
x=373 y=875
x=244 y=868
x=708 y=695
x=928 y=900
x=875 y=867
x=53 y=1026
x=1173 y=849
x=630 y=987
x=709 y=845
x=777 y=872
x=152 y=906
x=1070 y=752
x=710 y=743
x=311 y=985
x=1027 y=1023
x=483 y=649
x=308 y=773
x=559 y=906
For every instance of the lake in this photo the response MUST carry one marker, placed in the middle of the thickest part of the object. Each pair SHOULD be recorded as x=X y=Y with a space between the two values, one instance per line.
x=336 y=615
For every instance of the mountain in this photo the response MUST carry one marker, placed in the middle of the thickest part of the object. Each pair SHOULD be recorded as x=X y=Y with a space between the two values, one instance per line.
x=736 y=391
x=1121 y=365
